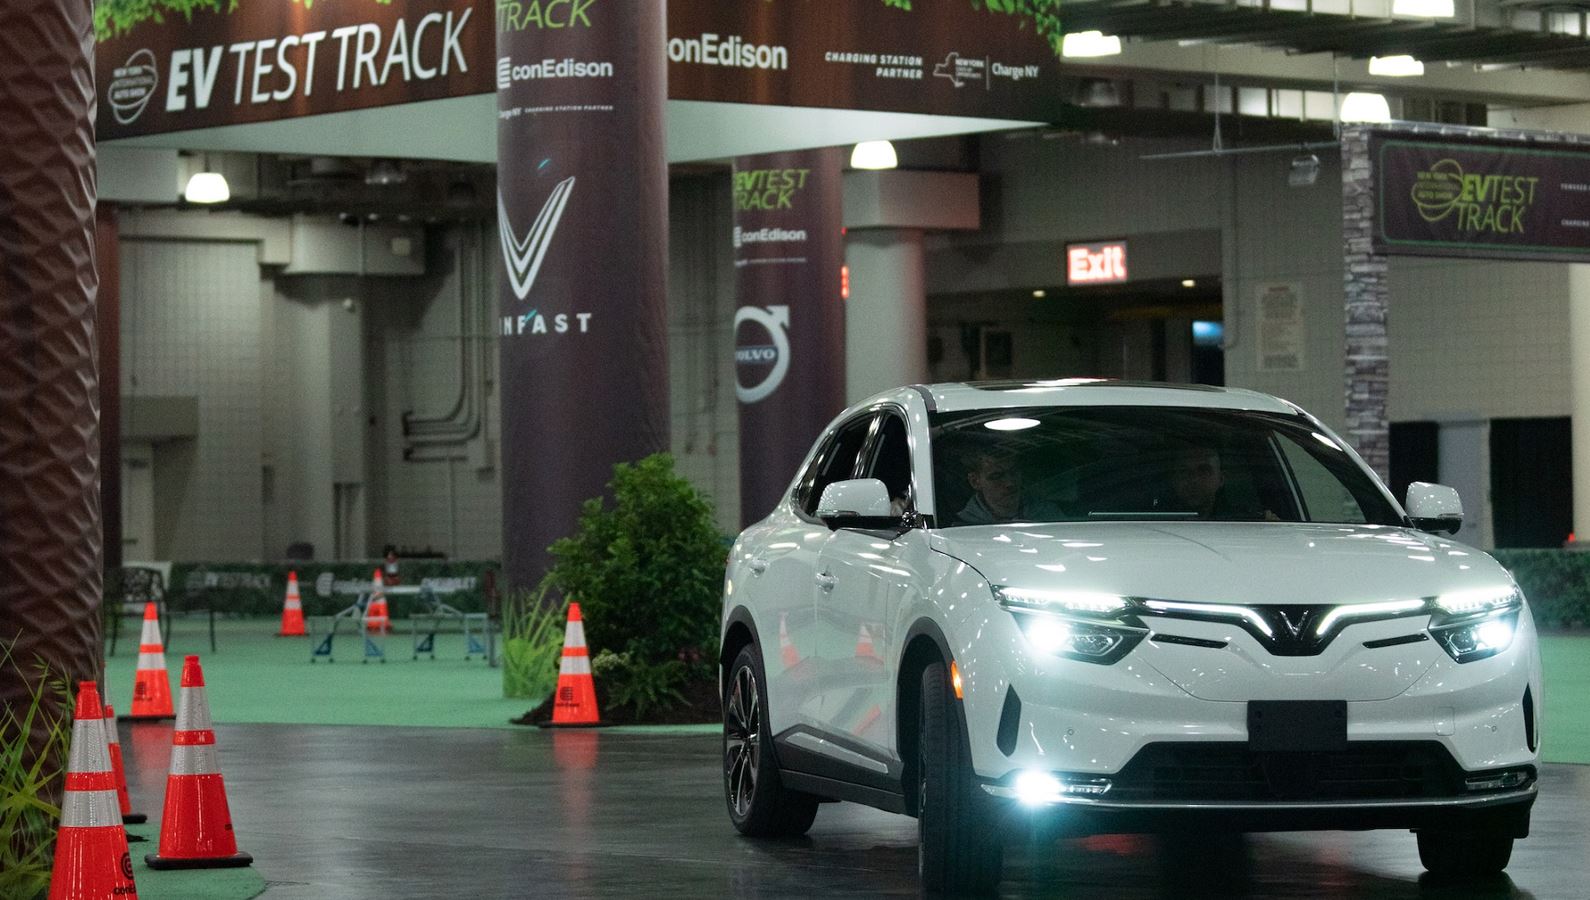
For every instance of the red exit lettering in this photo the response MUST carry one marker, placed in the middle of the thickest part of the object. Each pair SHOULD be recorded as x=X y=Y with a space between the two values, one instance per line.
x=1096 y=263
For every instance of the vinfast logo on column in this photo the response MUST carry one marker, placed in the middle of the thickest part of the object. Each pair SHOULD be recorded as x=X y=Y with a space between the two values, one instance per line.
x=1100 y=263
x=769 y=361
x=522 y=257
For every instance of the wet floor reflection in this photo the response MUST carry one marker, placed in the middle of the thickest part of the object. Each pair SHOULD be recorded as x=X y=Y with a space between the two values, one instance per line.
x=487 y=814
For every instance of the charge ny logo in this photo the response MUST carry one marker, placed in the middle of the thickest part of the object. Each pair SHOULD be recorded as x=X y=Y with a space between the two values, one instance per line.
x=523 y=256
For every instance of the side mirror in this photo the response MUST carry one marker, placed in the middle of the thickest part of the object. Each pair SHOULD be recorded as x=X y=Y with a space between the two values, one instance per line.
x=1435 y=508
x=857 y=503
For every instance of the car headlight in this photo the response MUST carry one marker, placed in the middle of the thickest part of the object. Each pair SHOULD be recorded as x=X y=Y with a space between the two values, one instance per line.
x=1079 y=625
x=1476 y=624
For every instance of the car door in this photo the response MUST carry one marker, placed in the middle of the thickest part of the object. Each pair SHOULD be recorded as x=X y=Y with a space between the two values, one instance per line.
x=861 y=576
x=782 y=566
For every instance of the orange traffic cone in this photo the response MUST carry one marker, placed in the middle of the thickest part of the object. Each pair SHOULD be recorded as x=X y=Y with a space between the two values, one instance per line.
x=91 y=858
x=864 y=648
x=786 y=647
x=292 y=610
x=576 y=696
x=195 y=826
x=128 y=817
x=151 y=685
x=376 y=620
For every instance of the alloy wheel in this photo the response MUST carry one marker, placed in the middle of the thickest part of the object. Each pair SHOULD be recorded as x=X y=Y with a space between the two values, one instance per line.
x=742 y=748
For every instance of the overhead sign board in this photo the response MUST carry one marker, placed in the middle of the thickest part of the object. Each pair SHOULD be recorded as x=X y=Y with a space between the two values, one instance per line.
x=261 y=60
x=1096 y=263
x=246 y=61
x=1482 y=199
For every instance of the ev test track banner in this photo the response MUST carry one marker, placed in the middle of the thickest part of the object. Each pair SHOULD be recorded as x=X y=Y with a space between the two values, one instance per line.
x=583 y=220
x=264 y=60
x=1481 y=199
x=789 y=326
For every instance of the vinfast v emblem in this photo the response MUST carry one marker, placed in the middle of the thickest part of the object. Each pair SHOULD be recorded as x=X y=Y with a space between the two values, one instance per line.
x=523 y=256
x=1293 y=621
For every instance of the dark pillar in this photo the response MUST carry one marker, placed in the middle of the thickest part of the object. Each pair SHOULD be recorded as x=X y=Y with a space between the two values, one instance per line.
x=789 y=329
x=583 y=220
x=107 y=251
x=1368 y=366
x=49 y=390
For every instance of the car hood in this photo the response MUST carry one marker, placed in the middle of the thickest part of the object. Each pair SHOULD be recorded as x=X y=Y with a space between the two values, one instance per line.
x=1220 y=562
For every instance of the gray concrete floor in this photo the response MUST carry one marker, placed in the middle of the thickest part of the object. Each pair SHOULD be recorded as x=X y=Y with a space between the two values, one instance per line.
x=343 y=812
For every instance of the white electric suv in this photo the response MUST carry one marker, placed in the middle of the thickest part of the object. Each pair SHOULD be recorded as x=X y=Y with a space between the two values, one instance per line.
x=1081 y=606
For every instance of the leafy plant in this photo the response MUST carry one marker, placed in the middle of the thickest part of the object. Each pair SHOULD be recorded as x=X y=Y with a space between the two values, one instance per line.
x=647 y=571
x=1557 y=583
x=639 y=686
x=532 y=643
x=29 y=777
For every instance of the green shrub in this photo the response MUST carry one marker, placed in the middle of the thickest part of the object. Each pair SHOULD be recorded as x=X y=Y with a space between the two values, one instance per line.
x=639 y=686
x=532 y=644
x=1557 y=583
x=28 y=816
x=647 y=571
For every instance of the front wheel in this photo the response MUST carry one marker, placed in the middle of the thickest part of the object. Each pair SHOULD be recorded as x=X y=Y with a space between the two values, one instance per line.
x=1464 y=854
x=958 y=849
x=759 y=804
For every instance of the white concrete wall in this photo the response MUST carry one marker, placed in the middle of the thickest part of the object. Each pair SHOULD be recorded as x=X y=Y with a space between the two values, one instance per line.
x=191 y=326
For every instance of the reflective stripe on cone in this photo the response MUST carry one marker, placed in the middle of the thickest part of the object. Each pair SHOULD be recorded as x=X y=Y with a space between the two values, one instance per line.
x=91 y=858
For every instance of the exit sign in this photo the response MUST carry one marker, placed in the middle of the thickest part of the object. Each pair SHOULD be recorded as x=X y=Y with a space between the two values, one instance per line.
x=1101 y=263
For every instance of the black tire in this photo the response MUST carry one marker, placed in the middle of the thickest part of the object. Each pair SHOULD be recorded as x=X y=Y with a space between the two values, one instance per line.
x=958 y=849
x=759 y=804
x=1464 y=854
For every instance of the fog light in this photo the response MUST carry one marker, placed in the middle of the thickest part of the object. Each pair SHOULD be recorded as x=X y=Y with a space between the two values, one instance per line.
x=1513 y=778
x=1037 y=788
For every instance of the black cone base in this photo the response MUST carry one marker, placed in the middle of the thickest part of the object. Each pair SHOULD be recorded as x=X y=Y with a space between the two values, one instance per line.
x=134 y=819
x=156 y=861
x=170 y=718
x=136 y=839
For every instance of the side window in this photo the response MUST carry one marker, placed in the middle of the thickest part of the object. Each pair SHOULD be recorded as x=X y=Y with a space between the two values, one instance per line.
x=891 y=462
x=1325 y=498
x=837 y=462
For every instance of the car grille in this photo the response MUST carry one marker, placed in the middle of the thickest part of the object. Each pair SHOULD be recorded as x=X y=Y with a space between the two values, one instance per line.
x=1230 y=772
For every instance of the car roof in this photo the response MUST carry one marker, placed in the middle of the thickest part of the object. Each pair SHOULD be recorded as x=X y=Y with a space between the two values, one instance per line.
x=973 y=395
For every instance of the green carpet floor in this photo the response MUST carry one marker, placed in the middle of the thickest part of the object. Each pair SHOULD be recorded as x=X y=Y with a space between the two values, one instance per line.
x=192 y=884
x=254 y=676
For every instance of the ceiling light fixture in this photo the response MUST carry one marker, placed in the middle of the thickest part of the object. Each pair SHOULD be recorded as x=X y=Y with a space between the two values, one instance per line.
x=1188 y=283
x=1362 y=106
x=1395 y=66
x=207 y=187
x=1304 y=170
x=873 y=156
x=1430 y=9
x=1087 y=44
x=1040 y=293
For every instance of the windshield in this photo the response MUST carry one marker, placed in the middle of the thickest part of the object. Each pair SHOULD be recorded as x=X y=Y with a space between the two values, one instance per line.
x=1144 y=464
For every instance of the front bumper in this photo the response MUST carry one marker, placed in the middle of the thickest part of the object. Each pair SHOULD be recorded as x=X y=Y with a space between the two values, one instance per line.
x=1025 y=711
x=1506 y=812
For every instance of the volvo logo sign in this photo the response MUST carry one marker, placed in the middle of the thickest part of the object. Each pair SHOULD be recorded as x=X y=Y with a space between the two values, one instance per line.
x=771 y=360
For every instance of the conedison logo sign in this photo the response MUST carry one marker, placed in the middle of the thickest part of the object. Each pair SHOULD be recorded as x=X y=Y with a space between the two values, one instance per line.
x=727 y=50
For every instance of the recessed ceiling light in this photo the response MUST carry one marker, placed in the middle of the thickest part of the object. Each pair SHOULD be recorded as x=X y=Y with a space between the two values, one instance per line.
x=207 y=187
x=1188 y=282
x=1361 y=106
x=874 y=155
x=1395 y=66
x=1082 y=44
x=1432 y=9
x=1040 y=293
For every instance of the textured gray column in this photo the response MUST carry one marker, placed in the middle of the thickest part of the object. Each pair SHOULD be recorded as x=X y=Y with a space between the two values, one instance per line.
x=49 y=387
x=1366 y=290
x=886 y=315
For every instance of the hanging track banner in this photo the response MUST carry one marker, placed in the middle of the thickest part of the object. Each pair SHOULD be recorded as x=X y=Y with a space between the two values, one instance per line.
x=231 y=62
x=1482 y=199
x=789 y=328
x=583 y=221
x=264 y=60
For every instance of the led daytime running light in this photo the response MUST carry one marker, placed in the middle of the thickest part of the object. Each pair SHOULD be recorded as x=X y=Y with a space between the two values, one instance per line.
x=1075 y=602
x=1477 y=600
